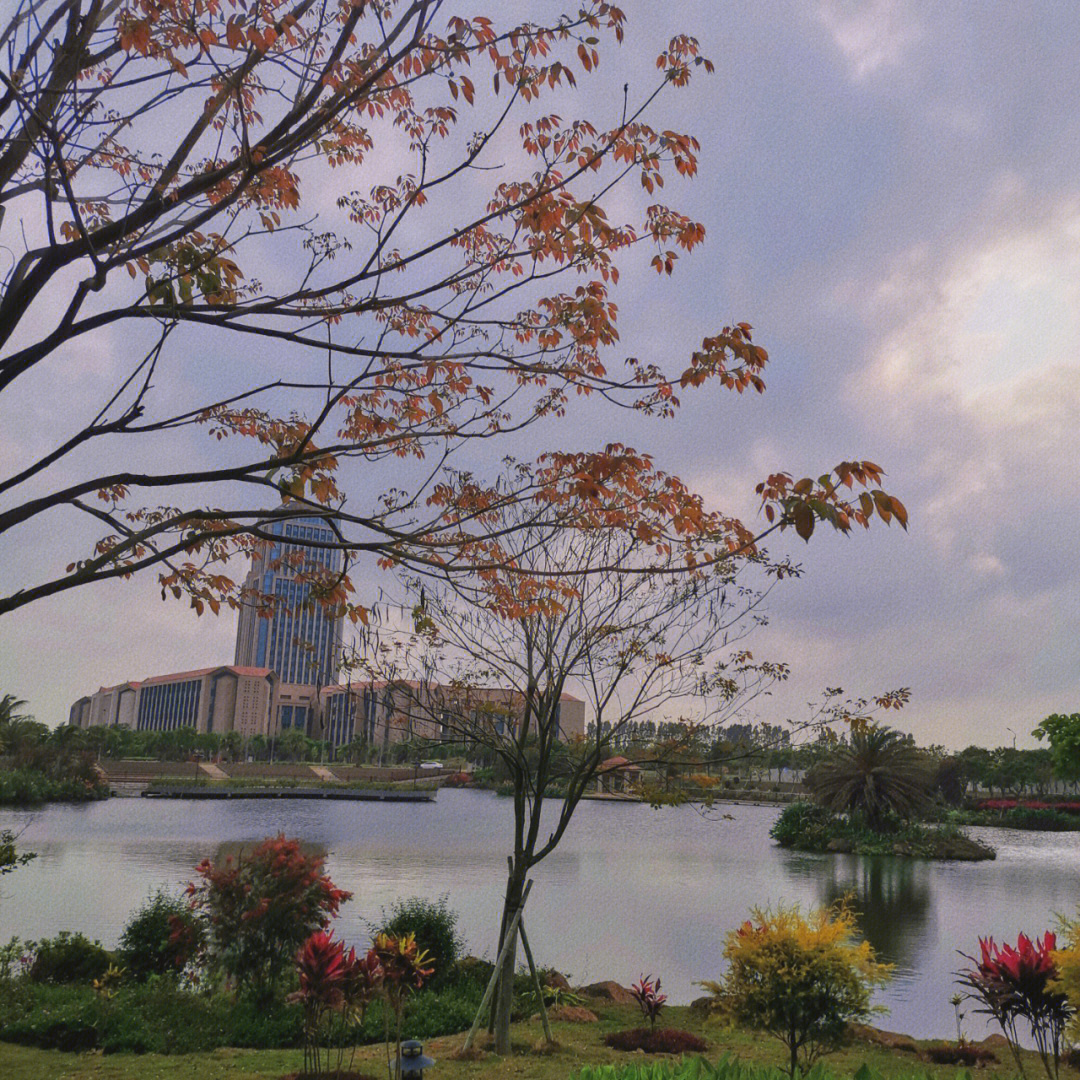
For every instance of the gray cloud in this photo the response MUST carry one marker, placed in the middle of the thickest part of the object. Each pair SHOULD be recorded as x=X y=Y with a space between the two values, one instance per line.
x=891 y=196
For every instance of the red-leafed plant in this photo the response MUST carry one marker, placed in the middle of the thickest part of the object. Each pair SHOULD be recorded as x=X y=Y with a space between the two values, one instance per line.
x=647 y=995
x=1028 y=804
x=259 y=908
x=1013 y=986
x=333 y=983
x=320 y=966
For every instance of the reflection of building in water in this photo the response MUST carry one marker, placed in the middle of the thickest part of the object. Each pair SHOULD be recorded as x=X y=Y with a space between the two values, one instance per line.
x=891 y=897
x=234 y=849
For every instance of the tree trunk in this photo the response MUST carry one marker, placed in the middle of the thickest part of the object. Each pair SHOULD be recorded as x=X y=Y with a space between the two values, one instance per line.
x=504 y=994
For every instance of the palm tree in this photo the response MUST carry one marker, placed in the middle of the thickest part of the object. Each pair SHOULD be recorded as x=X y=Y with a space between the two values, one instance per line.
x=10 y=707
x=12 y=721
x=879 y=771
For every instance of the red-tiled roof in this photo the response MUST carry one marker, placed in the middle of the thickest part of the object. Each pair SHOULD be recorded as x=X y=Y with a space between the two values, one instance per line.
x=179 y=676
x=618 y=762
x=199 y=673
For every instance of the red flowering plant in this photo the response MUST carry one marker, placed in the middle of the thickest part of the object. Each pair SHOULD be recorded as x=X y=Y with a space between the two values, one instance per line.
x=258 y=909
x=647 y=995
x=1013 y=985
x=405 y=968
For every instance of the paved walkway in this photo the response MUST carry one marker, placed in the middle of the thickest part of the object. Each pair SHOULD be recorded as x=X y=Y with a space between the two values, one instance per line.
x=213 y=771
x=323 y=773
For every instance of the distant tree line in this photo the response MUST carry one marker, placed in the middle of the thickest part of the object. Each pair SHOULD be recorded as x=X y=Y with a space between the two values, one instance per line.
x=747 y=748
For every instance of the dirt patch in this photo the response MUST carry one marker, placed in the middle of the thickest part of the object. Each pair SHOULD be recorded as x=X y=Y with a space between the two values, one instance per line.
x=574 y=1014
x=337 y=1074
x=474 y=1053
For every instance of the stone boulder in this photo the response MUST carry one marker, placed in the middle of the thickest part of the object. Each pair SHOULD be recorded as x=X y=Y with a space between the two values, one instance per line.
x=888 y=1040
x=839 y=844
x=609 y=991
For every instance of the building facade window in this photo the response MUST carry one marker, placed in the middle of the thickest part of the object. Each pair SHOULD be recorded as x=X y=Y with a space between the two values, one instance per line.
x=168 y=706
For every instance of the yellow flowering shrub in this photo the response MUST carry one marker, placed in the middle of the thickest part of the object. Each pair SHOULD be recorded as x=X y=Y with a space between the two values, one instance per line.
x=800 y=977
x=1067 y=979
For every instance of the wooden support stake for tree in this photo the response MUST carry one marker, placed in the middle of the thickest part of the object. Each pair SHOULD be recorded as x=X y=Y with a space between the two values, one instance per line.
x=511 y=930
x=536 y=983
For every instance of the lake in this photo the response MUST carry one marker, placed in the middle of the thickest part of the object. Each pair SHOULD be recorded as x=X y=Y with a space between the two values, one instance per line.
x=629 y=891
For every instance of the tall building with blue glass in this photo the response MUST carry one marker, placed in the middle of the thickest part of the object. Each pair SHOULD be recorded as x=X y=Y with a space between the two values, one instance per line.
x=298 y=641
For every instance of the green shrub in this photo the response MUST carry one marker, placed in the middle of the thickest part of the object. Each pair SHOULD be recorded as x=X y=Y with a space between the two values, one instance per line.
x=1038 y=820
x=69 y=958
x=434 y=925
x=432 y=1013
x=156 y=1016
x=159 y=938
x=31 y=787
x=159 y=1016
x=13 y=956
x=805 y=826
x=727 y=1068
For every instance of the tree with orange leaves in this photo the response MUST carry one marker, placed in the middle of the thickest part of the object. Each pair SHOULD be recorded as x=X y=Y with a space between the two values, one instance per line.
x=270 y=214
x=637 y=600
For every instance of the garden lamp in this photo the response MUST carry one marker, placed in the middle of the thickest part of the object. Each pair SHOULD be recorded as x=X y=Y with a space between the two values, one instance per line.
x=413 y=1061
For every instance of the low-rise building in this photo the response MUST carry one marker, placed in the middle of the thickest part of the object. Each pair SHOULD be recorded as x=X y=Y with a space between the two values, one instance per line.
x=381 y=713
x=252 y=701
x=218 y=699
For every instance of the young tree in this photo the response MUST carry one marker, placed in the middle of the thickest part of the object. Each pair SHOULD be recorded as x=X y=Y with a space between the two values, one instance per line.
x=256 y=910
x=1062 y=731
x=296 y=189
x=292 y=745
x=660 y=631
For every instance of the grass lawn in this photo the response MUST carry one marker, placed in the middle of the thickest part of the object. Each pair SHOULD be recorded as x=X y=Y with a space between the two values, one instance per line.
x=578 y=1044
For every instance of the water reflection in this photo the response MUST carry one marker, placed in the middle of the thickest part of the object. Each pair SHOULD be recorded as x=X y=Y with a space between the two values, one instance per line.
x=892 y=899
x=629 y=889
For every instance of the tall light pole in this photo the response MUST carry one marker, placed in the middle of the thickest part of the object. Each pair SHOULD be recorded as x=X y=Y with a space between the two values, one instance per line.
x=1009 y=729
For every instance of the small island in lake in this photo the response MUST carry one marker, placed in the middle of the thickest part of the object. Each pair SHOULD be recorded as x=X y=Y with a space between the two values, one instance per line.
x=874 y=795
x=806 y=826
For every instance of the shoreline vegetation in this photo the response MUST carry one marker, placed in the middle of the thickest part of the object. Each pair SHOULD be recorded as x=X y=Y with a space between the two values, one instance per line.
x=28 y=787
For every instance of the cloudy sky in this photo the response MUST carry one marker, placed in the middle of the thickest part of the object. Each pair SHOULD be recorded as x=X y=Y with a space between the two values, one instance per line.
x=891 y=190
